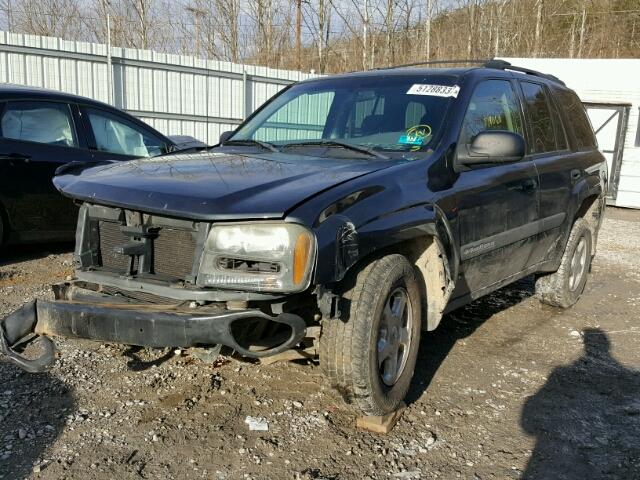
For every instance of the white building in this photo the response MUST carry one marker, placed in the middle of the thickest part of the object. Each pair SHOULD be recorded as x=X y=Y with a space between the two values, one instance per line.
x=610 y=89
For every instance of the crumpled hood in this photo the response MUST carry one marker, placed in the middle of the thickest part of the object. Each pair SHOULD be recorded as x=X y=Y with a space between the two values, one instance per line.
x=213 y=185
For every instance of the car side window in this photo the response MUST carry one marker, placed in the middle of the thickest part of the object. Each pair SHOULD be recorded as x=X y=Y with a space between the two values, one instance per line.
x=40 y=122
x=493 y=106
x=117 y=135
x=577 y=117
x=561 y=136
x=540 y=118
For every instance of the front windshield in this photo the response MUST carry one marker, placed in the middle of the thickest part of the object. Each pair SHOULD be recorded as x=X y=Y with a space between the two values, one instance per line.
x=391 y=113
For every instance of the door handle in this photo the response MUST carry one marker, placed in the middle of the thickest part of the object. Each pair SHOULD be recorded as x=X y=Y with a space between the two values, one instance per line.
x=575 y=174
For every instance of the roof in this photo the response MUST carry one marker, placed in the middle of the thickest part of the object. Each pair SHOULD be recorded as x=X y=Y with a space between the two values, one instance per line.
x=10 y=90
x=454 y=72
x=489 y=67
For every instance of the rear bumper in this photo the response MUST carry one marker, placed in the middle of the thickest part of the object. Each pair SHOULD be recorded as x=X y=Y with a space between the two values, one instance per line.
x=108 y=319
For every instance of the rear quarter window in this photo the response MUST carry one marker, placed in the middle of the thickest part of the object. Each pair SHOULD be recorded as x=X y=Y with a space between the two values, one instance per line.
x=577 y=119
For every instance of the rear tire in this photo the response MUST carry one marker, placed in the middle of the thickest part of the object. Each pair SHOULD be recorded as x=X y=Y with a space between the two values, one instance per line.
x=564 y=287
x=370 y=355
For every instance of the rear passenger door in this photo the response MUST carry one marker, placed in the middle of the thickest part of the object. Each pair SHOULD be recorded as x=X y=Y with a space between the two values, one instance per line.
x=36 y=137
x=497 y=203
x=549 y=150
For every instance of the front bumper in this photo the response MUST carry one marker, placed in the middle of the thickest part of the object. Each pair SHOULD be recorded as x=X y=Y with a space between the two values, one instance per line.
x=108 y=319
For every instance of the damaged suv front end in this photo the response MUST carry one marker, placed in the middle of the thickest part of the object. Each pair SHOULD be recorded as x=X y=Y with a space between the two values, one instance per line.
x=155 y=281
x=237 y=246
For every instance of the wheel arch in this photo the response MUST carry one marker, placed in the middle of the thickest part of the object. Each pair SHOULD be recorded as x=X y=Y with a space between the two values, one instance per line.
x=592 y=211
x=426 y=240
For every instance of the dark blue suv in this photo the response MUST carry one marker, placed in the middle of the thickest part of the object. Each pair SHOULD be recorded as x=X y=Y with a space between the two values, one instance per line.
x=341 y=219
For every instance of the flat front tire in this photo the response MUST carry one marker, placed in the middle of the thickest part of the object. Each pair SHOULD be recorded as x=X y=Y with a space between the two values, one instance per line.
x=369 y=356
x=564 y=287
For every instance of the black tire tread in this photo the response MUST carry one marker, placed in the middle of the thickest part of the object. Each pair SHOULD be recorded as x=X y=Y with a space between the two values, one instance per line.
x=551 y=289
x=342 y=355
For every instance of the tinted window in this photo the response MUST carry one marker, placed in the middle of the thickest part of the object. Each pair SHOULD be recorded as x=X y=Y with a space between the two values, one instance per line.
x=390 y=113
x=561 y=136
x=41 y=122
x=116 y=135
x=493 y=106
x=542 y=126
x=577 y=118
x=416 y=114
x=366 y=114
x=302 y=118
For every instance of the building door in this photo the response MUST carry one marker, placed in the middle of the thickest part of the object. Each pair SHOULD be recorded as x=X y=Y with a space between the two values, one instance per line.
x=610 y=125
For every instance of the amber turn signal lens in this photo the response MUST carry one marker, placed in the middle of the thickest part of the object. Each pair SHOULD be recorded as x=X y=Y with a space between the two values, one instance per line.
x=301 y=257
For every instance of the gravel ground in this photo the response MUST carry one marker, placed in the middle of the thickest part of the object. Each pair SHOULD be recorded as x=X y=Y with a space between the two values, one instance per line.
x=505 y=388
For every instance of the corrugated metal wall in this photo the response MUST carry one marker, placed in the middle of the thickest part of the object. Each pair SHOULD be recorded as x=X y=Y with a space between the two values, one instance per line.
x=178 y=95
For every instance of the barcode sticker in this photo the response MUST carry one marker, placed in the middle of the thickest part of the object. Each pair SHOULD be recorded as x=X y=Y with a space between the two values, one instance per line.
x=434 y=90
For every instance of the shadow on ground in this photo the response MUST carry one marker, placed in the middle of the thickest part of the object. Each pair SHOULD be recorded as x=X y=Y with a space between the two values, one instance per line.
x=137 y=364
x=586 y=418
x=20 y=253
x=461 y=323
x=33 y=411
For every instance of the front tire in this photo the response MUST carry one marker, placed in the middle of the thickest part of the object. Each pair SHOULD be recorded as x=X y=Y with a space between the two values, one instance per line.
x=370 y=356
x=564 y=287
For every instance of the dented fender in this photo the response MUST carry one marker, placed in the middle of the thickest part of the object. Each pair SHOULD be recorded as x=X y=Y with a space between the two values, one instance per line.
x=340 y=239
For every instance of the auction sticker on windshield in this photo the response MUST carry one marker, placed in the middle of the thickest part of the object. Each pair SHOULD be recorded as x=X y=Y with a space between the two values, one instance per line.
x=434 y=90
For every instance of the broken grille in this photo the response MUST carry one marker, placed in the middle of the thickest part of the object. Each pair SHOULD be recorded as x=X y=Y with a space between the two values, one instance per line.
x=173 y=251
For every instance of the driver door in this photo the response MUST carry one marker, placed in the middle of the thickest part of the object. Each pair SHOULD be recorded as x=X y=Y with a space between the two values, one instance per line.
x=497 y=203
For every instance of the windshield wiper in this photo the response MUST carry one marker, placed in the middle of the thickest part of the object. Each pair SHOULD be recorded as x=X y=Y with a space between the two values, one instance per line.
x=250 y=141
x=335 y=143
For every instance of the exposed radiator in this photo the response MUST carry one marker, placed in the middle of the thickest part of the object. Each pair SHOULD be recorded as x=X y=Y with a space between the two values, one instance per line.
x=173 y=251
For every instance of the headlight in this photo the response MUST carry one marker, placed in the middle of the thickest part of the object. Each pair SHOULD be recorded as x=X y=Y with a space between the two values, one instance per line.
x=268 y=257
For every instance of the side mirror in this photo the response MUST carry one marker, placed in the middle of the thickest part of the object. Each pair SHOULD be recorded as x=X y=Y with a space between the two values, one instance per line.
x=224 y=136
x=492 y=146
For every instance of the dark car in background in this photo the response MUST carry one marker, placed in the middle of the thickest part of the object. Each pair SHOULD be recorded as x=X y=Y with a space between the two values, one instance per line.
x=42 y=130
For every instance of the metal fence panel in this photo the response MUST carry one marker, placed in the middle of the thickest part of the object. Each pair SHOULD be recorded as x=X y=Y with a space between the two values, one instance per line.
x=176 y=94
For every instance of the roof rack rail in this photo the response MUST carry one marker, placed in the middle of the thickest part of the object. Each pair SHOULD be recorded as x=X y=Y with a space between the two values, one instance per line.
x=504 y=65
x=434 y=62
x=490 y=63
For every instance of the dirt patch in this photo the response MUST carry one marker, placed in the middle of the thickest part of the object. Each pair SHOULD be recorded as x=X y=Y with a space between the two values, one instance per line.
x=505 y=388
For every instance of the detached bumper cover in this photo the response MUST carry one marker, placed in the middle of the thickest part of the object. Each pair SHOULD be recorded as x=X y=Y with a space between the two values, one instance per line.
x=132 y=324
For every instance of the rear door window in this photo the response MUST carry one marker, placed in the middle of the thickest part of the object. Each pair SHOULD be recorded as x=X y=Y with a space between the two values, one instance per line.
x=540 y=118
x=577 y=118
x=40 y=122
x=493 y=106
x=114 y=134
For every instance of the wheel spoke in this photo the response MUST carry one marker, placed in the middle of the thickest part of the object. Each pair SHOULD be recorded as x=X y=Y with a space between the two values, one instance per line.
x=405 y=336
x=577 y=266
x=399 y=306
x=394 y=336
x=390 y=367
x=384 y=350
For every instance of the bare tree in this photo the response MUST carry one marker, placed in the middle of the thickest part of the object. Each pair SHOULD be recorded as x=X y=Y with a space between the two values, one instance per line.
x=53 y=18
